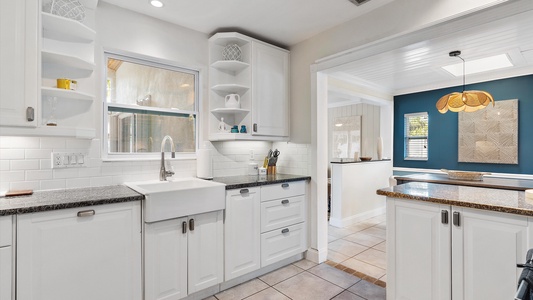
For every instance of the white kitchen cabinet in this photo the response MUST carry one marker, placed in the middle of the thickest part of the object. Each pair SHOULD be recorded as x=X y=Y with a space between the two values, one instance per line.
x=242 y=232
x=80 y=253
x=260 y=78
x=6 y=258
x=183 y=255
x=270 y=90
x=19 y=74
x=433 y=254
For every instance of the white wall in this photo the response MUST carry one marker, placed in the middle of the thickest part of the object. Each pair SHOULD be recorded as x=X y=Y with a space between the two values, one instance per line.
x=395 y=18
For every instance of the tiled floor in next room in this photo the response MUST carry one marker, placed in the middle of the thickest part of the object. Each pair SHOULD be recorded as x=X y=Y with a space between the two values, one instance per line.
x=355 y=270
x=360 y=249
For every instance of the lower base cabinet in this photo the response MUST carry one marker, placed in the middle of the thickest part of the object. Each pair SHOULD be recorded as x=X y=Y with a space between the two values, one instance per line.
x=83 y=253
x=183 y=255
x=6 y=271
x=446 y=252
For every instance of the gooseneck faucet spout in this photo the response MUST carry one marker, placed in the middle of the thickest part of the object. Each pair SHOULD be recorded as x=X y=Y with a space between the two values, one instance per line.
x=163 y=173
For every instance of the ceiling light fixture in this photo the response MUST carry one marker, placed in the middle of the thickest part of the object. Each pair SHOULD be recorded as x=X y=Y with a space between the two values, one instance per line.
x=156 y=3
x=485 y=64
x=467 y=101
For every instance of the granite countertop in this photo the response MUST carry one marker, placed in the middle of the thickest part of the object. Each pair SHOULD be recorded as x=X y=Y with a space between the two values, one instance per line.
x=353 y=161
x=239 y=182
x=508 y=201
x=67 y=198
x=489 y=182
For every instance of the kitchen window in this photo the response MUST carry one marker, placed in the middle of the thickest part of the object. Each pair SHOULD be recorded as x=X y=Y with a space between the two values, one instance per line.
x=416 y=136
x=146 y=100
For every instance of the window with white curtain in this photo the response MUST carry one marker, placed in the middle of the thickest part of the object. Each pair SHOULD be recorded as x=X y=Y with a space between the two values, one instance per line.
x=416 y=136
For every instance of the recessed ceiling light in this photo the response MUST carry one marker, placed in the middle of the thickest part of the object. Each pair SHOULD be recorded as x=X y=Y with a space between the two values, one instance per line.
x=156 y=3
x=338 y=124
x=480 y=65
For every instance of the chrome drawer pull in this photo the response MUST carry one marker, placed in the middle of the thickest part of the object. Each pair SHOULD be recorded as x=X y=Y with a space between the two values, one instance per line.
x=86 y=213
x=285 y=185
x=285 y=230
x=286 y=201
x=184 y=227
x=245 y=191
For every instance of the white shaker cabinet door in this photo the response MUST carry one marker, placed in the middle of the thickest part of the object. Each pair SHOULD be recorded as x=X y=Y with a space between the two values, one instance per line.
x=19 y=61
x=6 y=271
x=242 y=232
x=486 y=248
x=270 y=90
x=418 y=251
x=81 y=253
x=205 y=250
x=165 y=260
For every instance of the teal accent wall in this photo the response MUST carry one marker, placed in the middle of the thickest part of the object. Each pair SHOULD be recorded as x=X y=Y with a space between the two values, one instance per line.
x=442 y=136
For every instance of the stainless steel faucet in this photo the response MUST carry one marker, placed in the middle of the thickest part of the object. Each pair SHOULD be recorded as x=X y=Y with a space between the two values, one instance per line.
x=163 y=173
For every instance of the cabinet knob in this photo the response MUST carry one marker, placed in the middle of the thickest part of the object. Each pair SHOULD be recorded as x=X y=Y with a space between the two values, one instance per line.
x=444 y=216
x=255 y=127
x=285 y=185
x=30 y=114
x=184 y=227
x=285 y=230
x=191 y=224
x=456 y=219
x=86 y=213
x=245 y=191
x=286 y=201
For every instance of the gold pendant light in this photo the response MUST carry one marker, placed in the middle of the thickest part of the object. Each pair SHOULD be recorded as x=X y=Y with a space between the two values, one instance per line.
x=467 y=101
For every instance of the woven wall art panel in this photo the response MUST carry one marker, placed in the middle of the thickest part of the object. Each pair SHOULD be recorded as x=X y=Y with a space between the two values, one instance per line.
x=490 y=135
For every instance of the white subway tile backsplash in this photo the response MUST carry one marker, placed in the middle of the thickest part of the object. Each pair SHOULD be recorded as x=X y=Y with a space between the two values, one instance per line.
x=10 y=142
x=65 y=173
x=25 y=185
x=25 y=164
x=11 y=176
x=4 y=165
x=78 y=144
x=39 y=175
x=53 y=143
x=88 y=172
x=11 y=154
x=45 y=164
x=38 y=153
x=53 y=184
x=72 y=183
x=101 y=181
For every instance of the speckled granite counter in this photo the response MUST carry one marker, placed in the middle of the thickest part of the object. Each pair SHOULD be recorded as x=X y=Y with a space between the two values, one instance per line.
x=68 y=198
x=507 y=201
x=489 y=182
x=239 y=182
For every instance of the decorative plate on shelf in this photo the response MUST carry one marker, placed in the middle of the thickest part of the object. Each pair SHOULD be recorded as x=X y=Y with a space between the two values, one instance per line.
x=365 y=158
x=71 y=9
x=232 y=52
x=465 y=175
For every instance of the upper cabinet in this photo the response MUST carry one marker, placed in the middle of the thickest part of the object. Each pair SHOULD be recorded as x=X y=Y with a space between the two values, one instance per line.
x=248 y=89
x=19 y=61
x=46 y=47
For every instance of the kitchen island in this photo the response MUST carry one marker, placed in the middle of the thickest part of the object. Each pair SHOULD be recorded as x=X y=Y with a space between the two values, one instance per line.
x=455 y=242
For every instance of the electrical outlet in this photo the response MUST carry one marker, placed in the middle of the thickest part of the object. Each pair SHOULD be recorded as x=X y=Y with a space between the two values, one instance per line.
x=65 y=159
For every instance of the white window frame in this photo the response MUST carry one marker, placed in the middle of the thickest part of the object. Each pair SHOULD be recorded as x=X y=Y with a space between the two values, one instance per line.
x=407 y=138
x=153 y=62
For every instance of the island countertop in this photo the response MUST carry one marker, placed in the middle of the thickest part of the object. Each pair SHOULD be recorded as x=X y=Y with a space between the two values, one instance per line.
x=507 y=201
x=244 y=181
x=488 y=181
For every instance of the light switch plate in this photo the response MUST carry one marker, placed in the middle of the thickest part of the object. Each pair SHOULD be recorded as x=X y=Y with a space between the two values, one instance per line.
x=68 y=160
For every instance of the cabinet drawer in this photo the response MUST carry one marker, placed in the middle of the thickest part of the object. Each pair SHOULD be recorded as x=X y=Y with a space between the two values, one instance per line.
x=282 y=212
x=6 y=230
x=282 y=243
x=282 y=190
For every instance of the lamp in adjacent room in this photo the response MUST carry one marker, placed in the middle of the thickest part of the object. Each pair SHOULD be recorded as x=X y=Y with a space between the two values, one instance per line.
x=467 y=101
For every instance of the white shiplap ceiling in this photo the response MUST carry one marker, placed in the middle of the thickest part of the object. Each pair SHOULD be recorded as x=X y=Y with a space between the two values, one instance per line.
x=417 y=67
x=279 y=21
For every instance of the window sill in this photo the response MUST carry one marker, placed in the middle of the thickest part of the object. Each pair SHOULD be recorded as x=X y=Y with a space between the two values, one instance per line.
x=416 y=158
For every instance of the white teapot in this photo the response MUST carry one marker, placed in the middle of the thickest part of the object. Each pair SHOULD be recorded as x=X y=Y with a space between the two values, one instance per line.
x=233 y=101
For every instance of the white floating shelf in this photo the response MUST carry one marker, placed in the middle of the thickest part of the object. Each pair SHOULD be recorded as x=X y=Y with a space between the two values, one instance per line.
x=59 y=65
x=230 y=65
x=66 y=94
x=228 y=111
x=64 y=29
x=230 y=88
x=225 y=38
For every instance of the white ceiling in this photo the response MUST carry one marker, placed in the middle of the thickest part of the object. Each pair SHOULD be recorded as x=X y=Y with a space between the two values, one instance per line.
x=278 y=21
x=417 y=67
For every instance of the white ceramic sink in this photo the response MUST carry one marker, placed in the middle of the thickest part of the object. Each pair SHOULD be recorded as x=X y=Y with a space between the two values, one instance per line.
x=179 y=197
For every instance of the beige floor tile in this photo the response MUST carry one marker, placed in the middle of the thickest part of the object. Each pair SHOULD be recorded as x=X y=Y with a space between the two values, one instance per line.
x=346 y=247
x=368 y=290
x=307 y=286
x=384 y=278
x=210 y=298
x=339 y=232
x=346 y=295
x=363 y=239
x=336 y=256
x=378 y=232
x=332 y=238
x=381 y=225
x=364 y=268
x=373 y=257
x=381 y=247
x=242 y=290
x=268 y=294
x=304 y=264
x=359 y=227
x=280 y=274
x=335 y=276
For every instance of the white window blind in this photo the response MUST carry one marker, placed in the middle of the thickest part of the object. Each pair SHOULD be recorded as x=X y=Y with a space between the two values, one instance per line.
x=416 y=136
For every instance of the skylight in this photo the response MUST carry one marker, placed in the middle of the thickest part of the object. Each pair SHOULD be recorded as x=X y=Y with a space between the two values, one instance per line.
x=480 y=65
